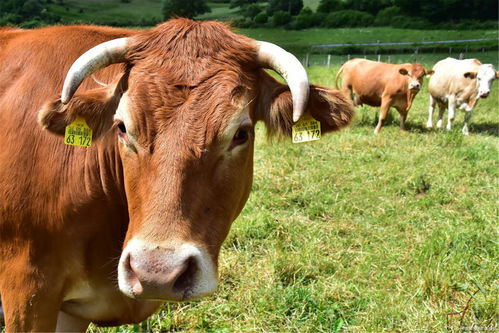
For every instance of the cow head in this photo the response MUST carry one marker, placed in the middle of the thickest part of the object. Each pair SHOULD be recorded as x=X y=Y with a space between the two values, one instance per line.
x=484 y=78
x=183 y=115
x=415 y=74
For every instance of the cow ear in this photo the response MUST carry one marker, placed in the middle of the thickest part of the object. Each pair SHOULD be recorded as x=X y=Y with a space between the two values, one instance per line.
x=429 y=71
x=403 y=71
x=470 y=75
x=275 y=107
x=96 y=106
x=497 y=75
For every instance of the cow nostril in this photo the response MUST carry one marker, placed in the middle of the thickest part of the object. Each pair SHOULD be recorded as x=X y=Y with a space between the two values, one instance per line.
x=132 y=277
x=186 y=278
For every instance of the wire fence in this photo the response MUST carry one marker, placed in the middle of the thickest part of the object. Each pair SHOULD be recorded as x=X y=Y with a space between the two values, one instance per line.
x=419 y=52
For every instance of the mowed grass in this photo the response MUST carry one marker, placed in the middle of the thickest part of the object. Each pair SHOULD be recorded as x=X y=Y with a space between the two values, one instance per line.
x=359 y=232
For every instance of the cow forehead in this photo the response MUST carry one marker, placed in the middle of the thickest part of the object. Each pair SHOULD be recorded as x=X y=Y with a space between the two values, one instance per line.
x=201 y=114
x=486 y=72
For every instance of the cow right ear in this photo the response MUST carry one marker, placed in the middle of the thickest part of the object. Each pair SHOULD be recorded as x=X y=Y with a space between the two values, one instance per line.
x=96 y=106
x=403 y=71
x=497 y=75
x=470 y=75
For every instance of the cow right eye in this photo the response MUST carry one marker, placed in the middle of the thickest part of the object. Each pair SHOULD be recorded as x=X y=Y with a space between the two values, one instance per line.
x=121 y=127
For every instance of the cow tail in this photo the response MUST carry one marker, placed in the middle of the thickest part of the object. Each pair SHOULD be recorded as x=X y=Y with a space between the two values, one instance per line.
x=337 y=76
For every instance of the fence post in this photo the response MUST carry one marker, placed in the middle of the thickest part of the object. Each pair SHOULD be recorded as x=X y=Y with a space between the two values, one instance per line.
x=379 y=57
x=348 y=58
x=389 y=59
x=328 y=60
x=461 y=56
x=307 y=64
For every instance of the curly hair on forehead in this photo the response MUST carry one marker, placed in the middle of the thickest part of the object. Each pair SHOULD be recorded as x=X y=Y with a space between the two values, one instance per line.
x=188 y=46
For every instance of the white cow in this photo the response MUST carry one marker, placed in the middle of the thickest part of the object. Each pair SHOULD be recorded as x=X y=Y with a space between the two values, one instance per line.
x=458 y=83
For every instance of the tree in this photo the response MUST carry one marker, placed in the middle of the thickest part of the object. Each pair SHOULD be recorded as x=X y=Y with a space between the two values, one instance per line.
x=327 y=6
x=293 y=7
x=184 y=8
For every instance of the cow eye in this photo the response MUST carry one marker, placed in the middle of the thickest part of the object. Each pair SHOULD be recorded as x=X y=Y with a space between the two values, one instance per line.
x=240 y=137
x=121 y=127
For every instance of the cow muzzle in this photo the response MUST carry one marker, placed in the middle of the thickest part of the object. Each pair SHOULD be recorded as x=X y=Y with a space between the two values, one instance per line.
x=484 y=94
x=173 y=273
x=414 y=86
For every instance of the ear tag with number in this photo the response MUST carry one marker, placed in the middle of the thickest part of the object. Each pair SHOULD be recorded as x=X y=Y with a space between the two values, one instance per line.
x=306 y=129
x=78 y=133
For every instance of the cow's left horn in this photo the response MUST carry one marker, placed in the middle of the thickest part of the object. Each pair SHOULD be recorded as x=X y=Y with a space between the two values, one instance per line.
x=273 y=57
x=98 y=57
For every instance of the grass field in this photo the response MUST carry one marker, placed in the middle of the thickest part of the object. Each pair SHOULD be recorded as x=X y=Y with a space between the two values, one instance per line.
x=359 y=232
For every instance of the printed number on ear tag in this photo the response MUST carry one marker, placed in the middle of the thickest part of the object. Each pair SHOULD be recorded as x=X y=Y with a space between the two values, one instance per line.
x=306 y=129
x=78 y=133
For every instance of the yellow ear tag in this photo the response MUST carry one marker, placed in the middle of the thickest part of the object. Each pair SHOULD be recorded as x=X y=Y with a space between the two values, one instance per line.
x=78 y=133
x=306 y=129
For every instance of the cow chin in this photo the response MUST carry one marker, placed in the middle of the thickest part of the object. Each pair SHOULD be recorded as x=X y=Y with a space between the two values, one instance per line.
x=176 y=272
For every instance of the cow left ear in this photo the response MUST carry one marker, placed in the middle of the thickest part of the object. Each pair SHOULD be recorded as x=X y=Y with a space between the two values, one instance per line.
x=497 y=75
x=96 y=106
x=429 y=71
x=403 y=71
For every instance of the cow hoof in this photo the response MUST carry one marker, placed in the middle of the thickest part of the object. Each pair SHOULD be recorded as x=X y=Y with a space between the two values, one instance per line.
x=439 y=124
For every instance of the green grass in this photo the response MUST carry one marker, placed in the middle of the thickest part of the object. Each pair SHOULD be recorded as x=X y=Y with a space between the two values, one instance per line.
x=359 y=232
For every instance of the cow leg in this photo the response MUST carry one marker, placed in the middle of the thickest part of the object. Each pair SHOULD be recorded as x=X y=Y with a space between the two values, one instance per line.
x=467 y=117
x=431 y=108
x=69 y=323
x=385 y=106
x=452 y=113
x=441 y=111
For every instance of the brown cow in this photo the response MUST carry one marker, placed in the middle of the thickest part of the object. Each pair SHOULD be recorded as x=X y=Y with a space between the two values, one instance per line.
x=104 y=234
x=381 y=84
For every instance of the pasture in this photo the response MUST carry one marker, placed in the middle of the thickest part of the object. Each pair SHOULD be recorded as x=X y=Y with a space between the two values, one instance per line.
x=361 y=233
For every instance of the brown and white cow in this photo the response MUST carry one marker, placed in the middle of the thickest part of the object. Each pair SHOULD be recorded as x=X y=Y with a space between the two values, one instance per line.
x=104 y=234
x=458 y=83
x=381 y=84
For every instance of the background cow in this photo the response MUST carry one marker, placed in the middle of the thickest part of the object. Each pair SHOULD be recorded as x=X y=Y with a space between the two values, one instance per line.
x=458 y=83
x=381 y=84
x=103 y=234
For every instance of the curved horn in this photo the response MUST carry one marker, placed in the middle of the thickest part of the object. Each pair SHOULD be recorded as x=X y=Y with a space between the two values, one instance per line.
x=273 y=57
x=98 y=57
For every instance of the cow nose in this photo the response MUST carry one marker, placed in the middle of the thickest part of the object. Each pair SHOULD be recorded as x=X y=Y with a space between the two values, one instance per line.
x=151 y=277
x=485 y=94
x=415 y=85
x=173 y=273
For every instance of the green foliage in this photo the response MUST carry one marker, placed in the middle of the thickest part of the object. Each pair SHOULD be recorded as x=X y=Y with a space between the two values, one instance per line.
x=281 y=18
x=33 y=11
x=251 y=11
x=184 y=8
x=369 y=6
x=348 y=18
x=306 y=19
x=439 y=10
x=293 y=7
x=261 y=18
x=386 y=15
x=327 y=6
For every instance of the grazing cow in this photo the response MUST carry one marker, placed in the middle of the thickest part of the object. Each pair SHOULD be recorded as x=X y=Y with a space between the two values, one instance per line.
x=381 y=84
x=458 y=83
x=104 y=234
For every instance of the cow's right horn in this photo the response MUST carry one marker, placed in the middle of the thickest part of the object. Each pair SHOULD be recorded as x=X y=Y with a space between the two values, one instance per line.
x=274 y=57
x=98 y=57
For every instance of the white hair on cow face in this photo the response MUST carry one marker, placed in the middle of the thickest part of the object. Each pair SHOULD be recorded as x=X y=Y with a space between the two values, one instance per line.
x=485 y=77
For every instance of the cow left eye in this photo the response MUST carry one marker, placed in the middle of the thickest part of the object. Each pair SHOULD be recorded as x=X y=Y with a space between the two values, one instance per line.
x=240 y=137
